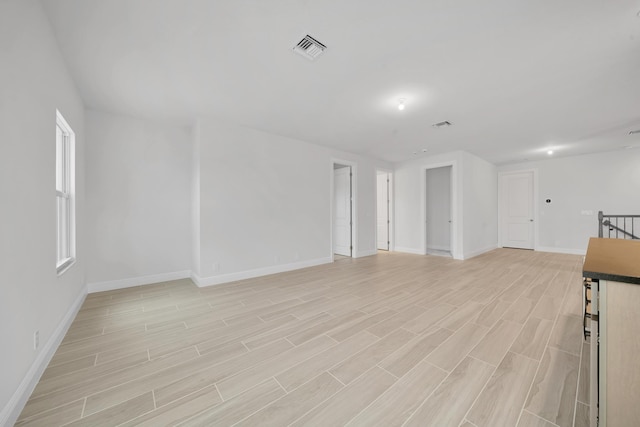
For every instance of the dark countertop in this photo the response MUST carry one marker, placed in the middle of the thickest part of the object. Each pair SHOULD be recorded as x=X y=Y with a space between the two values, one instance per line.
x=613 y=259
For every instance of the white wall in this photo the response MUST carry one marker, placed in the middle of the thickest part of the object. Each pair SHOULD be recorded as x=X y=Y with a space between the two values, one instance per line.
x=474 y=190
x=603 y=181
x=265 y=202
x=34 y=83
x=480 y=205
x=139 y=178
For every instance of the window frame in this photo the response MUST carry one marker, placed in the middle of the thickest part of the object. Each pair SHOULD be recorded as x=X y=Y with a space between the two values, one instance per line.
x=65 y=195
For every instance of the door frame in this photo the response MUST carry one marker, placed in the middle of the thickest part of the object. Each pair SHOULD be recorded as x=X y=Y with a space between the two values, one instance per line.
x=456 y=207
x=502 y=200
x=354 y=204
x=389 y=173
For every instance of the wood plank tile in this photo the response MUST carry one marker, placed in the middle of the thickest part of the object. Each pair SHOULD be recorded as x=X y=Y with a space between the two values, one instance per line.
x=520 y=310
x=429 y=318
x=383 y=328
x=527 y=419
x=72 y=393
x=452 y=399
x=567 y=334
x=344 y=332
x=179 y=410
x=462 y=315
x=582 y=415
x=348 y=402
x=500 y=403
x=553 y=393
x=118 y=414
x=310 y=368
x=258 y=372
x=492 y=312
x=452 y=351
x=547 y=308
x=294 y=405
x=238 y=408
x=310 y=333
x=583 y=380
x=496 y=343
x=362 y=361
x=403 y=360
x=532 y=340
x=194 y=380
x=396 y=404
x=57 y=416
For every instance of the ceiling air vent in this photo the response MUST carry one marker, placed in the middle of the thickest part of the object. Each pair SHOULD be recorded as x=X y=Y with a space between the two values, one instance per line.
x=309 y=47
x=442 y=124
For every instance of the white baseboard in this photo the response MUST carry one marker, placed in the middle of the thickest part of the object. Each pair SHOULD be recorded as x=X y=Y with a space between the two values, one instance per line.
x=137 y=281
x=362 y=254
x=13 y=408
x=409 y=250
x=561 y=250
x=472 y=254
x=250 y=274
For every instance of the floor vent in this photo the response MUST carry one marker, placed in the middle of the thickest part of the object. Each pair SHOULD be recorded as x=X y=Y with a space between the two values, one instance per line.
x=309 y=47
x=441 y=124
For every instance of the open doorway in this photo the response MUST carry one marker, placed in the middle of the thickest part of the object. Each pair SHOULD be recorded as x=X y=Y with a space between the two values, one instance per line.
x=342 y=210
x=383 y=210
x=439 y=211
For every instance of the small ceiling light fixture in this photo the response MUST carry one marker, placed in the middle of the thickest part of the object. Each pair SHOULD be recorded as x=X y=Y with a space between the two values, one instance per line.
x=401 y=104
x=550 y=152
x=424 y=150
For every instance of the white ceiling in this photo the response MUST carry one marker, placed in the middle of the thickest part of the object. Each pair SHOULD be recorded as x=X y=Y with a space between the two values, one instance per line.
x=514 y=77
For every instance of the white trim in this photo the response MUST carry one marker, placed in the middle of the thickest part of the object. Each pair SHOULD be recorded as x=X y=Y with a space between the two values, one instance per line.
x=250 y=274
x=569 y=251
x=14 y=407
x=409 y=250
x=457 y=210
x=480 y=251
x=535 y=204
x=354 y=204
x=111 y=285
x=363 y=254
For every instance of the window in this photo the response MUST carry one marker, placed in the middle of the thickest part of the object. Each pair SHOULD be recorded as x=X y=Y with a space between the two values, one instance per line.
x=65 y=192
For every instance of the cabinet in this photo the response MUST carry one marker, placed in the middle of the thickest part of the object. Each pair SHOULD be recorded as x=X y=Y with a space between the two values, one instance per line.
x=613 y=265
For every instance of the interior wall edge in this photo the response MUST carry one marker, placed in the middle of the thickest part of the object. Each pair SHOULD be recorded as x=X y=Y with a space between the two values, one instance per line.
x=475 y=253
x=14 y=407
x=111 y=285
x=264 y=271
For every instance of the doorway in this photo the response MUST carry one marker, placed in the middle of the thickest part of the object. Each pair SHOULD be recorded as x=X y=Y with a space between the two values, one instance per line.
x=517 y=198
x=342 y=210
x=383 y=210
x=439 y=211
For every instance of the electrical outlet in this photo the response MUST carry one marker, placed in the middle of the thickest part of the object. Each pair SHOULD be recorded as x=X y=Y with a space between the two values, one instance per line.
x=215 y=267
x=36 y=340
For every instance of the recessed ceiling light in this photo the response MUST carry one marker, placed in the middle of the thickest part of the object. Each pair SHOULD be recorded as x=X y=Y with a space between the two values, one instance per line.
x=550 y=152
x=401 y=104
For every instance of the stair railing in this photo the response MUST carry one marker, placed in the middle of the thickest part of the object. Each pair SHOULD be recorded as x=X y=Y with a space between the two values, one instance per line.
x=618 y=226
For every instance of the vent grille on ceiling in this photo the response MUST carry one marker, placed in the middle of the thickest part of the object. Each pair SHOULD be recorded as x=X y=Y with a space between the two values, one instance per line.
x=441 y=124
x=309 y=47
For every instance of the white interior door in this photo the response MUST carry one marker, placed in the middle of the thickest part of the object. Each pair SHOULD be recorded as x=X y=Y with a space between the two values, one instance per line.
x=342 y=206
x=382 y=202
x=516 y=195
x=439 y=209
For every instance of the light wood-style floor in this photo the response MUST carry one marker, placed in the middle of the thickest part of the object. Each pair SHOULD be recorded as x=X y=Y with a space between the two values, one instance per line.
x=387 y=340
